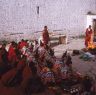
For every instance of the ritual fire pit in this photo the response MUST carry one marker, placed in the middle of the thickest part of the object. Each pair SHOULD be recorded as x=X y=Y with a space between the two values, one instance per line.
x=91 y=48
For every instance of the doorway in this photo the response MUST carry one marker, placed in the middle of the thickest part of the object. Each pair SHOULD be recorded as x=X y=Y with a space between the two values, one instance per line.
x=94 y=29
x=94 y=26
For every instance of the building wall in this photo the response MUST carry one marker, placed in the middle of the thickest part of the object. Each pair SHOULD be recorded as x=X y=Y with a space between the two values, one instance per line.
x=20 y=16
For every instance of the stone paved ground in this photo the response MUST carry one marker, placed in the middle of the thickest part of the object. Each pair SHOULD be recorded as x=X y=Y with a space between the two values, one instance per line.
x=82 y=66
x=73 y=44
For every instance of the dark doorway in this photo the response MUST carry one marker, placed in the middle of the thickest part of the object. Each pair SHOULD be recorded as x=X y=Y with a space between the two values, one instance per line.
x=94 y=29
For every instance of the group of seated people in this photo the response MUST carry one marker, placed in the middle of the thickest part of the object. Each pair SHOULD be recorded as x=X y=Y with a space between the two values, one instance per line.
x=33 y=66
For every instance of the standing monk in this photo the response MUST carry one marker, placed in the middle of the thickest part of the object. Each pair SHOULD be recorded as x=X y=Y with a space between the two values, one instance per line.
x=88 y=36
x=45 y=36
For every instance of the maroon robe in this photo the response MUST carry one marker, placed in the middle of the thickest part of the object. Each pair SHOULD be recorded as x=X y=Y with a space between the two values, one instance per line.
x=45 y=37
x=88 y=36
x=8 y=76
x=12 y=54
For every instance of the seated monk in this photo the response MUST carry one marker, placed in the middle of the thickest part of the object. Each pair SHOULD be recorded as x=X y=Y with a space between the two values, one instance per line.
x=12 y=57
x=26 y=76
x=7 y=77
x=4 y=55
x=2 y=64
x=31 y=82
x=14 y=76
x=22 y=44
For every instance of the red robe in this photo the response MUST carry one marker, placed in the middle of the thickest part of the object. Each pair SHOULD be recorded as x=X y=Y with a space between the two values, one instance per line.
x=8 y=76
x=88 y=36
x=45 y=37
x=21 y=64
x=27 y=74
x=11 y=54
x=22 y=44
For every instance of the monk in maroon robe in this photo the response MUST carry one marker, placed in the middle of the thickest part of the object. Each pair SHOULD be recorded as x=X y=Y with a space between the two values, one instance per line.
x=14 y=74
x=45 y=35
x=22 y=44
x=12 y=56
x=88 y=36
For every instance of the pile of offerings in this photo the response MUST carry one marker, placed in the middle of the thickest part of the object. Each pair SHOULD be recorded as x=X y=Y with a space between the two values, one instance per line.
x=87 y=56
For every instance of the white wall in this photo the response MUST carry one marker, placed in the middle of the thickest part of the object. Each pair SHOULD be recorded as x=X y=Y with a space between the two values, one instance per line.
x=17 y=16
x=90 y=19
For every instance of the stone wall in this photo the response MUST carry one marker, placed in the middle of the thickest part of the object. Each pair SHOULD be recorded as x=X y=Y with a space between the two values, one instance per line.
x=29 y=16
